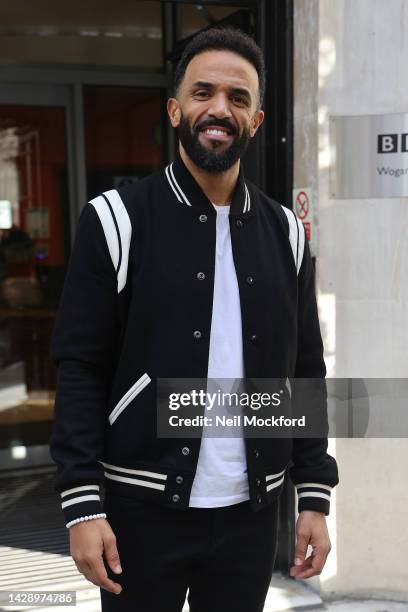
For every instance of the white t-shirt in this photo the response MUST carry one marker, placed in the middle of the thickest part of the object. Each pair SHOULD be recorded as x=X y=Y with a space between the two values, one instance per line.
x=221 y=477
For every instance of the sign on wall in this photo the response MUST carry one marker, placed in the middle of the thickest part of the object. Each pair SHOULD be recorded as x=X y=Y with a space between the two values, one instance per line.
x=369 y=156
x=303 y=208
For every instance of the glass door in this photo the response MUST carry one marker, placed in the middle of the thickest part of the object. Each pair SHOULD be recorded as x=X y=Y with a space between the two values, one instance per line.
x=35 y=239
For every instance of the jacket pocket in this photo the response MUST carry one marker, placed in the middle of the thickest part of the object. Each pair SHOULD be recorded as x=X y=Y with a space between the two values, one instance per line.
x=129 y=396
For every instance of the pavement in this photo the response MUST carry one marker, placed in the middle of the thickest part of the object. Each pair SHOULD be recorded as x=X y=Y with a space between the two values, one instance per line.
x=367 y=606
x=289 y=595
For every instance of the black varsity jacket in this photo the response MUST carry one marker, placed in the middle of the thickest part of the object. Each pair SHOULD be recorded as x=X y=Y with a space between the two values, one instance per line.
x=137 y=304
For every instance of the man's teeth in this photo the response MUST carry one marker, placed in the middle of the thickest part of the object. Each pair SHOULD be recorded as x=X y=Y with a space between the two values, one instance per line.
x=216 y=132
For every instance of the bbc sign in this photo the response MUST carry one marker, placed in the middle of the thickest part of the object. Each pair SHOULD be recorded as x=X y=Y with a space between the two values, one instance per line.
x=370 y=156
x=392 y=143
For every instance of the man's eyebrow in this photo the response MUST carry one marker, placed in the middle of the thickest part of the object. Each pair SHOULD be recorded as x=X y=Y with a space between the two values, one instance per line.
x=203 y=84
x=237 y=90
x=242 y=91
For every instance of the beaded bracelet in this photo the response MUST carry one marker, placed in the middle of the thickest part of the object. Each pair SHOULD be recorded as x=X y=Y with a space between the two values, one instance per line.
x=85 y=518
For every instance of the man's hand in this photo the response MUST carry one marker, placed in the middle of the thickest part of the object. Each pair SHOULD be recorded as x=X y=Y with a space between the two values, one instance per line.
x=311 y=529
x=88 y=541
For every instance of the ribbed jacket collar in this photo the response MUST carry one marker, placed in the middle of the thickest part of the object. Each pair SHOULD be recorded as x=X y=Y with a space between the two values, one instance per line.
x=189 y=193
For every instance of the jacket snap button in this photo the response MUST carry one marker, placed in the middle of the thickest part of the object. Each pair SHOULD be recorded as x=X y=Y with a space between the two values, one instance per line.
x=258 y=482
x=200 y=275
x=254 y=338
x=185 y=450
x=197 y=334
x=250 y=280
x=176 y=498
x=259 y=499
x=239 y=223
x=203 y=218
x=179 y=479
x=256 y=453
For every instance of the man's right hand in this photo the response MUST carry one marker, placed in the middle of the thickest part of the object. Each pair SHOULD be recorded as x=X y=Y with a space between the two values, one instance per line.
x=89 y=540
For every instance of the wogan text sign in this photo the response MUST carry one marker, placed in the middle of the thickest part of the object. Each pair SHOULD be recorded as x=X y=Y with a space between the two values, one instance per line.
x=369 y=156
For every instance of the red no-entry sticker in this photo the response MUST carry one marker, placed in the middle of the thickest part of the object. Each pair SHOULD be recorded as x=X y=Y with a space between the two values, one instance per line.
x=302 y=205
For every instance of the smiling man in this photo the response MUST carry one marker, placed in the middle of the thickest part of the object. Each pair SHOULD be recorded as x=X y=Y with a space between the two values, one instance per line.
x=216 y=142
x=192 y=272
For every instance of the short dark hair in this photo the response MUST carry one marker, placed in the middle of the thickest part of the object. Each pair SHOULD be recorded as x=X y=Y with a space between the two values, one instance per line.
x=223 y=38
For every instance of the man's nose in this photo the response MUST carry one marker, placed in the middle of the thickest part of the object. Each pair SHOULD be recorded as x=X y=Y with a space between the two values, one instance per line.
x=219 y=107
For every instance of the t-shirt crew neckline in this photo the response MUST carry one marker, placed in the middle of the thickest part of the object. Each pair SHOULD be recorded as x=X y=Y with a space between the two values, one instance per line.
x=222 y=208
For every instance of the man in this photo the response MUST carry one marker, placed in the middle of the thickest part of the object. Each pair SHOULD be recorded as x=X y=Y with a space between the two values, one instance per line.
x=188 y=273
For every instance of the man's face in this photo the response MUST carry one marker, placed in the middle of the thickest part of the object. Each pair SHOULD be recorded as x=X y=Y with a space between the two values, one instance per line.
x=216 y=110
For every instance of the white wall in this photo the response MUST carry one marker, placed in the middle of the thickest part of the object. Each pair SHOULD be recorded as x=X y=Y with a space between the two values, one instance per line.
x=363 y=69
x=362 y=280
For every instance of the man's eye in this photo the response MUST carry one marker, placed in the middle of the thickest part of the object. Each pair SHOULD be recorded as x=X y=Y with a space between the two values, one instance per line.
x=201 y=93
x=239 y=100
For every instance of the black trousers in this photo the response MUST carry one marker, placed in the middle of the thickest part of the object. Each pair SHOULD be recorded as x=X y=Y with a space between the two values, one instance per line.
x=223 y=556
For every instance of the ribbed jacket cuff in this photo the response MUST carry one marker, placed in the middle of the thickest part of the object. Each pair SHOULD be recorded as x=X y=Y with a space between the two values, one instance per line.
x=80 y=501
x=313 y=496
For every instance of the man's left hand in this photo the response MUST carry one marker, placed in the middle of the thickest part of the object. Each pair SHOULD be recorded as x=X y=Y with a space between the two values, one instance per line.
x=311 y=529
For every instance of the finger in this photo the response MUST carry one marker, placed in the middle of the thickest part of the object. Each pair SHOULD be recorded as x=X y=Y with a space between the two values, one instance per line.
x=111 y=553
x=82 y=567
x=100 y=577
x=307 y=574
x=85 y=569
x=317 y=560
x=295 y=570
x=305 y=565
x=301 y=548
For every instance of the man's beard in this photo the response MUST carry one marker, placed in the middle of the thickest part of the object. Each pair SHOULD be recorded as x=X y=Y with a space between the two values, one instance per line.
x=207 y=159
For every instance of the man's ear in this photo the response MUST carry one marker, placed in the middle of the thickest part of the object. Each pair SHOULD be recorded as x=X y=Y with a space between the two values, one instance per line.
x=256 y=121
x=174 y=111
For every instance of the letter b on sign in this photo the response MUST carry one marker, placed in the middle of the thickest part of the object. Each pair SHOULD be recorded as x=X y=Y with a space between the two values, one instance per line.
x=387 y=143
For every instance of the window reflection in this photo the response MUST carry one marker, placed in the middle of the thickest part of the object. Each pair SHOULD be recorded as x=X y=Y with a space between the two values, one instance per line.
x=34 y=242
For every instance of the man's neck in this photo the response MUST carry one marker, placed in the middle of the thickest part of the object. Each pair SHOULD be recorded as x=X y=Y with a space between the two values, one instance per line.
x=218 y=188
